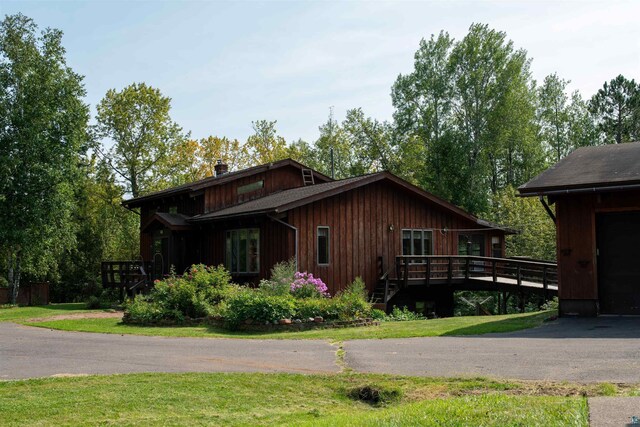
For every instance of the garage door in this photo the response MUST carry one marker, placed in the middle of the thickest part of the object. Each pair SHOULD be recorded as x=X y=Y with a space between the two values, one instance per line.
x=618 y=240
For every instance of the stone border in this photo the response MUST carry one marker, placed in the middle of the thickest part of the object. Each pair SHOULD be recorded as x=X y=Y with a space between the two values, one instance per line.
x=283 y=325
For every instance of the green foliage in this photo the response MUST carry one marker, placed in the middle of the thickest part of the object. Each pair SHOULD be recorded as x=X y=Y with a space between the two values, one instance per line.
x=351 y=303
x=143 y=310
x=265 y=145
x=617 y=109
x=468 y=107
x=93 y=302
x=280 y=279
x=537 y=233
x=253 y=305
x=194 y=295
x=138 y=122
x=552 y=304
x=43 y=131
x=403 y=314
x=379 y=315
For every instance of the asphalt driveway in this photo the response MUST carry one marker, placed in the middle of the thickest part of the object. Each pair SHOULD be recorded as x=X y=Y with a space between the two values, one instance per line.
x=585 y=350
x=27 y=352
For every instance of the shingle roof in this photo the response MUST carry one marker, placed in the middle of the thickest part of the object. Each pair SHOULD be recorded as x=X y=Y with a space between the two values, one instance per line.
x=589 y=168
x=217 y=180
x=172 y=221
x=279 y=201
x=289 y=199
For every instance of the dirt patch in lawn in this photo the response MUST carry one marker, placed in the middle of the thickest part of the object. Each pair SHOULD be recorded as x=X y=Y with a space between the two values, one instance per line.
x=102 y=315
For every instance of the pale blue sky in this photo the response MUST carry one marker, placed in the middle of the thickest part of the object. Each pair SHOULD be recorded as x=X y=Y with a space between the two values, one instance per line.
x=225 y=64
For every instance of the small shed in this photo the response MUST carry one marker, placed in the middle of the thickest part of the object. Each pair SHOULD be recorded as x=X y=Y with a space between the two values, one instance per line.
x=596 y=193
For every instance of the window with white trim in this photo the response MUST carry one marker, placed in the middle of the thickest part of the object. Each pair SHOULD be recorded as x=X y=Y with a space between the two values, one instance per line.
x=417 y=242
x=242 y=250
x=322 y=245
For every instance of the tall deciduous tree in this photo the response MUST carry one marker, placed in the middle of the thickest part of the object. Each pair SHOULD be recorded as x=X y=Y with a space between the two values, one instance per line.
x=138 y=122
x=42 y=132
x=467 y=111
x=617 y=109
x=554 y=116
x=265 y=145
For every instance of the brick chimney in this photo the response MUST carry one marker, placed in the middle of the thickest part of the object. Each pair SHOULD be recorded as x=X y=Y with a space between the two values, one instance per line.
x=220 y=168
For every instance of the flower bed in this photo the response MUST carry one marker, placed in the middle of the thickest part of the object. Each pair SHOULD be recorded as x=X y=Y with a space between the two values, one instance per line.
x=208 y=293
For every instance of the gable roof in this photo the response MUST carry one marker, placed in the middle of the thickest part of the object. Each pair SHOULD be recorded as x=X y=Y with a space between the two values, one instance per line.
x=589 y=169
x=218 y=180
x=289 y=199
x=171 y=221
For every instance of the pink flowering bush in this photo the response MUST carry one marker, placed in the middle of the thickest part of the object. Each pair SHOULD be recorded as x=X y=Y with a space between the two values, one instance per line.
x=304 y=285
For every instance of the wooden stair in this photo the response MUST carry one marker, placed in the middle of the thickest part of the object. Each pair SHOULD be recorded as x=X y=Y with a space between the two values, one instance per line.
x=378 y=297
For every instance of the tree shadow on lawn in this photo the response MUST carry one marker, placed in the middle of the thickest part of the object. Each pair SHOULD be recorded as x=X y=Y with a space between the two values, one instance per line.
x=616 y=327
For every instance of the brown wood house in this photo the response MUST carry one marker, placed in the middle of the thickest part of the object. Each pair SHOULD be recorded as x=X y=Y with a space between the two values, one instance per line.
x=251 y=219
x=596 y=192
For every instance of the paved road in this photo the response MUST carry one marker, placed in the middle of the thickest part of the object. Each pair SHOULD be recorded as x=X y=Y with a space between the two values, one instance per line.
x=584 y=350
x=35 y=352
x=603 y=349
x=613 y=411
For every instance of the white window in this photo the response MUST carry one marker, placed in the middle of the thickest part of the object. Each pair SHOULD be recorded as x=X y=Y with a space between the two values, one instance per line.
x=417 y=242
x=243 y=250
x=322 y=245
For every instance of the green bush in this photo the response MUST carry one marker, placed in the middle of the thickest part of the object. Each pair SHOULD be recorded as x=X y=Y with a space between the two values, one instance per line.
x=208 y=292
x=93 y=302
x=352 y=302
x=142 y=310
x=312 y=307
x=404 y=314
x=257 y=306
x=378 y=315
x=281 y=277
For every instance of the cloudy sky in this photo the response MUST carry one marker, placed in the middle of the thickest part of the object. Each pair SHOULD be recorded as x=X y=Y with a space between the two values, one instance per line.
x=225 y=64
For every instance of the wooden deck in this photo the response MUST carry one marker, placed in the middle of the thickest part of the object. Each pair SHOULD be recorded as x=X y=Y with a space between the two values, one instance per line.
x=472 y=273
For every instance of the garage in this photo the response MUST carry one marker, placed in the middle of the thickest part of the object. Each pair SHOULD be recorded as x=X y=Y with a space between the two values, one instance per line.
x=593 y=196
x=618 y=254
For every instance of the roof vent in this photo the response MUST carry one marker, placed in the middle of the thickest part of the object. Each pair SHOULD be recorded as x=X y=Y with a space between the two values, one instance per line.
x=220 y=168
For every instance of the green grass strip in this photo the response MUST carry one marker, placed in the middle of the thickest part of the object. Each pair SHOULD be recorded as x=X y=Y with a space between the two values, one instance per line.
x=470 y=325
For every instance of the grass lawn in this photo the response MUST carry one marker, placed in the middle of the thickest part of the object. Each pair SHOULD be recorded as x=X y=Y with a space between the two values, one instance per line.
x=471 y=325
x=16 y=314
x=286 y=399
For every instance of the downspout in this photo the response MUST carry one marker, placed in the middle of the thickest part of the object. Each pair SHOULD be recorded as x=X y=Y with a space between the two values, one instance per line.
x=295 y=230
x=547 y=208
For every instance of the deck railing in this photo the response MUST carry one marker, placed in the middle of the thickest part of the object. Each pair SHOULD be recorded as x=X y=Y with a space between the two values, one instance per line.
x=126 y=275
x=443 y=268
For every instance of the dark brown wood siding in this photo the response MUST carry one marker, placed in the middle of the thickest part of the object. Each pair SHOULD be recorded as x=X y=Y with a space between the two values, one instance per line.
x=277 y=244
x=221 y=196
x=576 y=237
x=360 y=220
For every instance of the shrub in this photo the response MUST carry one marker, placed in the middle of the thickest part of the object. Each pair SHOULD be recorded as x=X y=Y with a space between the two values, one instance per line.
x=282 y=275
x=258 y=306
x=312 y=307
x=142 y=310
x=203 y=277
x=305 y=285
x=378 y=315
x=93 y=302
x=404 y=314
x=552 y=304
x=352 y=302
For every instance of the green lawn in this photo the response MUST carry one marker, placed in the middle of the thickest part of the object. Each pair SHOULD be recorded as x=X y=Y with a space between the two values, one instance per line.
x=285 y=399
x=471 y=325
x=14 y=314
